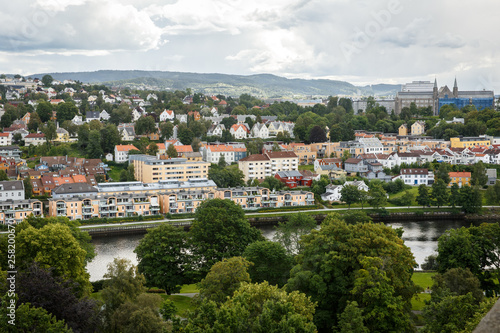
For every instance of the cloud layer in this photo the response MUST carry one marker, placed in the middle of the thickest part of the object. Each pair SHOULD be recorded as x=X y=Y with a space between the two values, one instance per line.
x=374 y=41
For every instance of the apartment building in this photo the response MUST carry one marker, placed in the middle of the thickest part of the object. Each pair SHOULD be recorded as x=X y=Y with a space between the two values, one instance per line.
x=149 y=169
x=121 y=152
x=213 y=153
x=259 y=166
x=257 y=197
x=15 y=211
x=465 y=142
x=415 y=177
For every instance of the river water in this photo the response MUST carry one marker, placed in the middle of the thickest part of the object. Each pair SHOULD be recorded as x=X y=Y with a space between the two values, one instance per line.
x=421 y=237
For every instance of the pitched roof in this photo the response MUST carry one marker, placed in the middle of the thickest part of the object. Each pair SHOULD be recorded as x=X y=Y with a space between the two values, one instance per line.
x=125 y=147
x=459 y=174
x=255 y=157
x=281 y=154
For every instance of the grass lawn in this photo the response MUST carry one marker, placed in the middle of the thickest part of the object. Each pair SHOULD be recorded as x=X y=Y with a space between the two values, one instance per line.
x=182 y=303
x=189 y=288
x=309 y=167
x=114 y=173
x=423 y=280
x=417 y=302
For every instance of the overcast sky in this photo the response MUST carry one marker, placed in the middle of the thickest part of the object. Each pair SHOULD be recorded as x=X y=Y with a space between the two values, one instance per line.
x=363 y=42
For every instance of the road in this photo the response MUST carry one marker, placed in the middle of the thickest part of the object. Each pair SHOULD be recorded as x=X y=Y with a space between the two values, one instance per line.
x=323 y=210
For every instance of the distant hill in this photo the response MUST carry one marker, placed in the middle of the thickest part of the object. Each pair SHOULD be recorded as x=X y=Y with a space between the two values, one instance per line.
x=260 y=85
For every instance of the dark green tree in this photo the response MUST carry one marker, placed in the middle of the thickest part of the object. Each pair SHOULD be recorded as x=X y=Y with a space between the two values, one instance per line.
x=220 y=230
x=172 y=152
x=423 y=198
x=94 y=149
x=47 y=80
x=44 y=111
x=454 y=195
x=270 y=261
x=478 y=176
x=439 y=193
x=164 y=259
x=145 y=125
x=339 y=263
x=166 y=130
x=349 y=194
x=471 y=199
x=289 y=233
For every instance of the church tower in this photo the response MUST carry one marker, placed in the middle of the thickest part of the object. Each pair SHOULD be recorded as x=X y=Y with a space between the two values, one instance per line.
x=455 y=89
x=435 y=100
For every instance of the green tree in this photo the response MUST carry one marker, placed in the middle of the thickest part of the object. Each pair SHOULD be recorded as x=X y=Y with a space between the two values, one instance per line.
x=66 y=111
x=168 y=309
x=145 y=125
x=184 y=134
x=164 y=259
x=351 y=320
x=407 y=198
x=458 y=281
x=333 y=268
x=53 y=246
x=450 y=314
x=28 y=188
x=83 y=136
x=123 y=284
x=49 y=129
x=44 y=111
x=270 y=261
x=254 y=308
x=3 y=175
x=141 y=315
x=289 y=233
x=478 y=176
x=31 y=319
x=110 y=137
x=47 y=80
x=220 y=230
x=443 y=173
x=439 y=193
x=172 y=152
x=317 y=134
x=423 y=198
x=229 y=176
x=166 y=130
x=34 y=122
x=455 y=195
x=94 y=149
x=272 y=183
x=222 y=162
x=377 y=196
x=224 y=278
x=152 y=149
x=471 y=199
x=349 y=194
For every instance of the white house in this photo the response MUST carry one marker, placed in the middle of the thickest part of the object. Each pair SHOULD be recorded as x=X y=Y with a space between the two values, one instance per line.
x=127 y=133
x=415 y=177
x=216 y=130
x=333 y=192
x=239 y=131
x=92 y=115
x=121 y=152
x=5 y=139
x=34 y=139
x=260 y=131
x=136 y=114
x=183 y=118
x=213 y=153
x=167 y=115
x=77 y=120
x=104 y=115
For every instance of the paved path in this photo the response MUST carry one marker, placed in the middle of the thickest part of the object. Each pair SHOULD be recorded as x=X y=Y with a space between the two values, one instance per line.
x=191 y=295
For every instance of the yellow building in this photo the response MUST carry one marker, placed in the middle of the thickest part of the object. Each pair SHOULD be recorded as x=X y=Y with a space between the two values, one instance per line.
x=418 y=128
x=149 y=169
x=15 y=211
x=460 y=178
x=464 y=142
x=403 y=130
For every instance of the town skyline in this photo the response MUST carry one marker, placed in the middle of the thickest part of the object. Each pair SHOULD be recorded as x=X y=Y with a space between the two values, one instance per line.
x=391 y=42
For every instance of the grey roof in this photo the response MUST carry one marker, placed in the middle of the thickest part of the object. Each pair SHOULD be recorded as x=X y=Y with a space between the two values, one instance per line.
x=92 y=114
x=291 y=173
x=74 y=188
x=11 y=185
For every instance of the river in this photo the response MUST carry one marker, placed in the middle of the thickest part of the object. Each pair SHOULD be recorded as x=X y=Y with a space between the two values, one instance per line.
x=421 y=237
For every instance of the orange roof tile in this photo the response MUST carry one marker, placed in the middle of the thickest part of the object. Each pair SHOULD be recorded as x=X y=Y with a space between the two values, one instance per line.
x=125 y=147
x=459 y=174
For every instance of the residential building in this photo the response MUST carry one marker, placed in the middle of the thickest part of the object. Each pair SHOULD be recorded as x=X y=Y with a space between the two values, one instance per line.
x=415 y=177
x=167 y=115
x=464 y=142
x=149 y=169
x=403 y=130
x=216 y=130
x=259 y=166
x=121 y=152
x=293 y=178
x=460 y=178
x=5 y=139
x=239 y=131
x=92 y=115
x=418 y=128
x=13 y=190
x=104 y=115
x=259 y=130
x=13 y=211
x=492 y=176
x=11 y=152
x=213 y=153
x=334 y=192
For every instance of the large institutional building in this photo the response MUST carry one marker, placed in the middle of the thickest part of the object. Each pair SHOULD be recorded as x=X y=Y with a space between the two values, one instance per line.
x=426 y=94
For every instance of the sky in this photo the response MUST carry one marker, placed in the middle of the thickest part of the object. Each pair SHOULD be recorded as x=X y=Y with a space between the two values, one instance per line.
x=362 y=42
